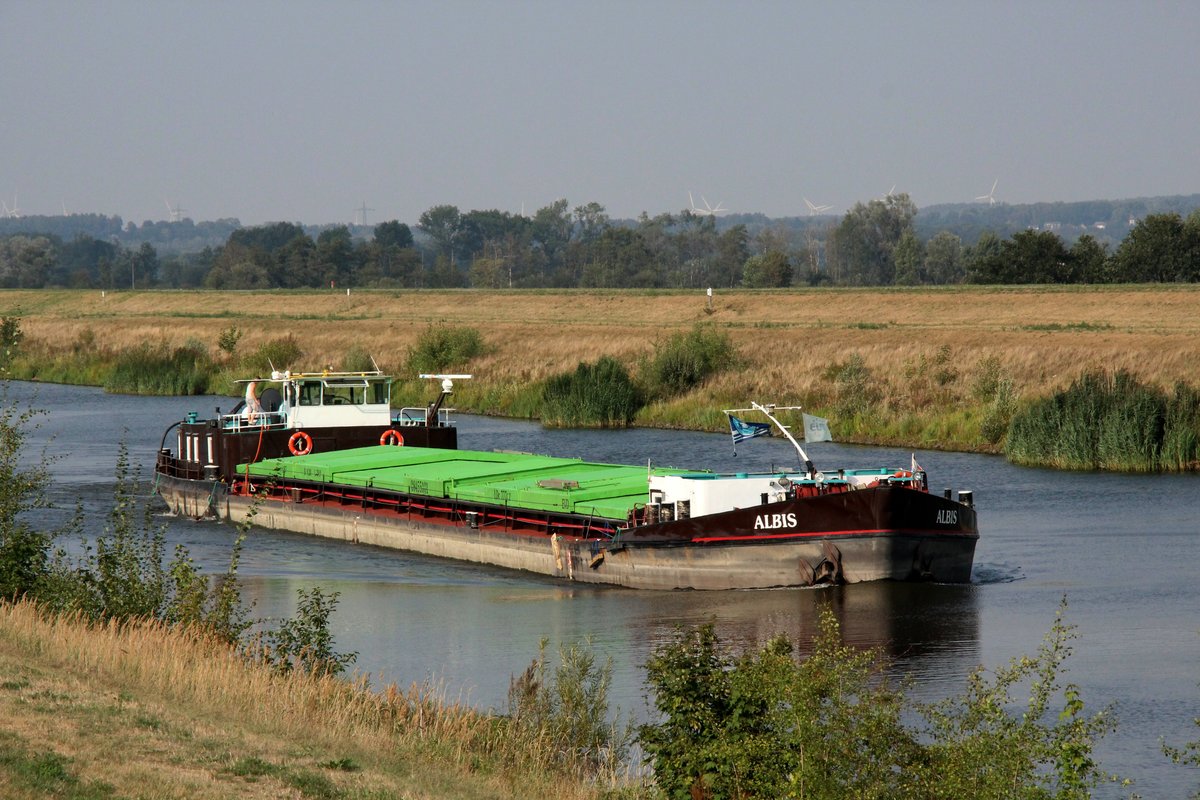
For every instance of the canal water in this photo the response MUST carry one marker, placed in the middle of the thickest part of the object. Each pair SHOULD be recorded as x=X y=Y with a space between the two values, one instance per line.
x=1121 y=550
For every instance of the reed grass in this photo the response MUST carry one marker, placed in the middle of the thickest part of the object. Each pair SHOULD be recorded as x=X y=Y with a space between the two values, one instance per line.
x=600 y=395
x=1108 y=421
x=158 y=711
x=157 y=369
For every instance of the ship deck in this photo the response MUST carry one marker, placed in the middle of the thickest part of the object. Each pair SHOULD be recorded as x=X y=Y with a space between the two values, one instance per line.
x=543 y=483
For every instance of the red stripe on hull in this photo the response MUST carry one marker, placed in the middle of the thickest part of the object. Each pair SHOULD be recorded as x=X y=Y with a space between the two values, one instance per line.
x=827 y=534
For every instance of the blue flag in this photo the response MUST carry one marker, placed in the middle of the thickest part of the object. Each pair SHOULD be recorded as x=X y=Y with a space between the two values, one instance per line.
x=741 y=430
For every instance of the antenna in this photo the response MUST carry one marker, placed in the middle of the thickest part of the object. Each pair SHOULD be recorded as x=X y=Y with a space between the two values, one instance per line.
x=64 y=205
x=990 y=196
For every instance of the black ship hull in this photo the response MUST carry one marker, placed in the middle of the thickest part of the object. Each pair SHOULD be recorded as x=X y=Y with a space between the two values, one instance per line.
x=885 y=532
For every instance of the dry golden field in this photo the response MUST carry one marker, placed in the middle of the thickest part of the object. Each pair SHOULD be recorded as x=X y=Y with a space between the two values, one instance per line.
x=1043 y=336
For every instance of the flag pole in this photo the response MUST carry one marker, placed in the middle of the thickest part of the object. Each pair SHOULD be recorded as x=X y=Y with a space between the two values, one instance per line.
x=808 y=464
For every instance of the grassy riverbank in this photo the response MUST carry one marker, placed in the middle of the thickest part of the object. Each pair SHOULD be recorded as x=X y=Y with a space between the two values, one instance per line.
x=930 y=367
x=140 y=710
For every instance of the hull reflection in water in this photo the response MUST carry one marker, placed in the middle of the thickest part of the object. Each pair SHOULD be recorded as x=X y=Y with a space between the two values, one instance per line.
x=471 y=628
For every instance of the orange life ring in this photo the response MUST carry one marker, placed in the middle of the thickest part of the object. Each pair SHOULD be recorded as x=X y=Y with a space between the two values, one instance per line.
x=392 y=436
x=902 y=473
x=300 y=444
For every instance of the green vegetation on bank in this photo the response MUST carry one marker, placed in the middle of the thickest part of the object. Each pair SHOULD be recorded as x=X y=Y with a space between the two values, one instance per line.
x=1110 y=422
x=605 y=395
x=933 y=400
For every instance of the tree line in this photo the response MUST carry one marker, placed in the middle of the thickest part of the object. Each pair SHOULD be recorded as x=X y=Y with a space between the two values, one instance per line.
x=874 y=244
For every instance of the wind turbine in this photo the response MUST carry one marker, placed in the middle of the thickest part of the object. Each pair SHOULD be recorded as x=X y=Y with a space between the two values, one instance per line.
x=815 y=209
x=990 y=196
x=707 y=211
x=175 y=211
x=14 y=212
x=360 y=214
x=890 y=192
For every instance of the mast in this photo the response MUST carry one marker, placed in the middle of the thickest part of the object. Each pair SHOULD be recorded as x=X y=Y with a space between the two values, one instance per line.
x=766 y=411
x=447 y=389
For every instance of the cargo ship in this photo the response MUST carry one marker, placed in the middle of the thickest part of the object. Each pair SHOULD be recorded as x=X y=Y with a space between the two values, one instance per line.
x=291 y=414
x=643 y=527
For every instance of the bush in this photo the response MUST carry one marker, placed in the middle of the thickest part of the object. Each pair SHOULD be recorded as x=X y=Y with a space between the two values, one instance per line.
x=281 y=354
x=831 y=726
x=11 y=337
x=358 y=360
x=594 y=395
x=989 y=373
x=24 y=551
x=999 y=412
x=228 y=340
x=565 y=715
x=686 y=360
x=123 y=573
x=856 y=389
x=304 y=642
x=765 y=725
x=442 y=348
x=982 y=745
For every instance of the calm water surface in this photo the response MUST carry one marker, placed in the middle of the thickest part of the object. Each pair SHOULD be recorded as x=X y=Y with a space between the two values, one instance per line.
x=1121 y=549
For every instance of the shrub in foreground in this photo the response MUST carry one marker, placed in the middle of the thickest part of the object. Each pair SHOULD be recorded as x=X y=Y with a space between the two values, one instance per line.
x=562 y=715
x=765 y=724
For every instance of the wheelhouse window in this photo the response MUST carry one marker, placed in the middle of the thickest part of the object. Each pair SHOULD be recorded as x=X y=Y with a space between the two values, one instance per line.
x=310 y=393
x=341 y=393
x=378 y=392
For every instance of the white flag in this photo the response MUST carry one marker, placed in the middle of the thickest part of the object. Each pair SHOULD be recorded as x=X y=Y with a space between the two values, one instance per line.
x=816 y=429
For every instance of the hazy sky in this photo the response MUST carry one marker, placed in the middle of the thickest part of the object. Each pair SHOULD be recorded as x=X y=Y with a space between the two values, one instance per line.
x=303 y=111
